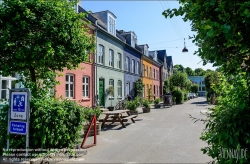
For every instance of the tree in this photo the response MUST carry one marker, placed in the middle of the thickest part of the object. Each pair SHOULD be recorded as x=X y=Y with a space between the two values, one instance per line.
x=211 y=78
x=222 y=28
x=179 y=80
x=138 y=88
x=199 y=72
x=41 y=37
x=194 y=88
x=189 y=71
x=166 y=86
x=179 y=67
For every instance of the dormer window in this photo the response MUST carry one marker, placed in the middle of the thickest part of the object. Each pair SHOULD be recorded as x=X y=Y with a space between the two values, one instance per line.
x=133 y=40
x=111 y=25
x=146 y=50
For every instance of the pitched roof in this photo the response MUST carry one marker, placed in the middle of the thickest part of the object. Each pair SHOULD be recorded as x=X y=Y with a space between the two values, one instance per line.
x=161 y=54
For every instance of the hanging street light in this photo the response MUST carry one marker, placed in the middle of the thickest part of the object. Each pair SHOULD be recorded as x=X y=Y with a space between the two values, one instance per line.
x=184 y=49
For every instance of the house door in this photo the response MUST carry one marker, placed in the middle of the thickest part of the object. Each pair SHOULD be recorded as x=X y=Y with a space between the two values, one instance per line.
x=101 y=92
x=127 y=89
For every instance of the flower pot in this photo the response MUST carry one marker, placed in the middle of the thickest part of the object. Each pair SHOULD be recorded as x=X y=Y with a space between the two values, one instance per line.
x=133 y=112
x=91 y=133
x=146 y=110
x=111 y=108
x=157 y=106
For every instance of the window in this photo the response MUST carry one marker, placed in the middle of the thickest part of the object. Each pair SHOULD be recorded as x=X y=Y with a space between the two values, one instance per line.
x=143 y=70
x=85 y=86
x=127 y=88
x=146 y=93
x=100 y=54
x=146 y=71
x=127 y=64
x=111 y=25
x=150 y=72
x=119 y=88
x=111 y=84
x=137 y=68
x=69 y=86
x=119 y=61
x=6 y=84
x=133 y=66
x=111 y=58
x=154 y=73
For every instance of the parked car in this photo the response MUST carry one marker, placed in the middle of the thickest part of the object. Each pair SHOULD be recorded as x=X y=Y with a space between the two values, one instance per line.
x=190 y=96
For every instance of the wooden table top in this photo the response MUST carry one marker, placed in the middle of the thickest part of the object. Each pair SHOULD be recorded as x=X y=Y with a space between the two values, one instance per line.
x=116 y=112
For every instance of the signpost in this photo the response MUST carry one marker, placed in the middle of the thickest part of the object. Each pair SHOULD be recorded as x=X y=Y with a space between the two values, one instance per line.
x=19 y=113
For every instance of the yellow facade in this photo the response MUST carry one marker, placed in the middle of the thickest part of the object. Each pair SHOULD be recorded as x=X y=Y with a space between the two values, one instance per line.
x=147 y=68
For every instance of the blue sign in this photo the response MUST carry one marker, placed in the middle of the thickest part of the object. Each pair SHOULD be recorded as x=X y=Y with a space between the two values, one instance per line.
x=18 y=127
x=18 y=105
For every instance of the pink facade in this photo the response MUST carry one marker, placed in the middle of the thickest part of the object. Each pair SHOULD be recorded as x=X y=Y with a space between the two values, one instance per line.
x=156 y=78
x=78 y=84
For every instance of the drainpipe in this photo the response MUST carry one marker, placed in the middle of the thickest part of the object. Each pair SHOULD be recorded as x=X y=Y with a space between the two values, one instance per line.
x=95 y=81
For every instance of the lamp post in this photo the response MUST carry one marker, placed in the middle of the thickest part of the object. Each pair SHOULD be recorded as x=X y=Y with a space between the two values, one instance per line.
x=184 y=49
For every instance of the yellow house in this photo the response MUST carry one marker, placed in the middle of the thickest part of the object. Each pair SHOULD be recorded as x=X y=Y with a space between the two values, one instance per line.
x=146 y=72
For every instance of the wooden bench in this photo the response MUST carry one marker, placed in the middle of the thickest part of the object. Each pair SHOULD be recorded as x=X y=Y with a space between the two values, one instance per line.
x=125 y=119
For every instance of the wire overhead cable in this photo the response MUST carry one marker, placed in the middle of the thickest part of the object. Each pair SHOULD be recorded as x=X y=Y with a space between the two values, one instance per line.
x=173 y=23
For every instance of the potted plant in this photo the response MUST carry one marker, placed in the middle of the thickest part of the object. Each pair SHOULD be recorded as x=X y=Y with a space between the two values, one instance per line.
x=146 y=106
x=157 y=103
x=88 y=115
x=132 y=106
x=110 y=93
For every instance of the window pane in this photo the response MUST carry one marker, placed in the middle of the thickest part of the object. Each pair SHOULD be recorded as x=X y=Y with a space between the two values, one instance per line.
x=71 y=94
x=4 y=94
x=71 y=78
x=83 y=80
x=67 y=87
x=4 y=84
x=67 y=77
x=71 y=87
x=67 y=93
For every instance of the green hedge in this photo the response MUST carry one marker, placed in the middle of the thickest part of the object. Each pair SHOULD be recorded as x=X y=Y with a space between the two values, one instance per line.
x=178 y=93
x=54 y=123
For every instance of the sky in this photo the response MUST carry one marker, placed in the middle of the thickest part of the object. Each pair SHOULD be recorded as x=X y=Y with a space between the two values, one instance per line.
x=151 y=27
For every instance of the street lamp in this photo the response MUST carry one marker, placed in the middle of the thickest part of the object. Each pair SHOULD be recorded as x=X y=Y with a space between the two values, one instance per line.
x=184 y=49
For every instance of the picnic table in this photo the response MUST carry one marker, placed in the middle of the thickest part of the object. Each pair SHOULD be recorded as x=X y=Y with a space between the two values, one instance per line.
x=116 y=116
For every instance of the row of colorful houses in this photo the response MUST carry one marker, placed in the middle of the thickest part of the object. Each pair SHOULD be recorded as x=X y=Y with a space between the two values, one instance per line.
x=119 y=61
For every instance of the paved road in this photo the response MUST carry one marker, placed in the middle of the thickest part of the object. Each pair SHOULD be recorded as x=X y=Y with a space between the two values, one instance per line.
x=165 y=135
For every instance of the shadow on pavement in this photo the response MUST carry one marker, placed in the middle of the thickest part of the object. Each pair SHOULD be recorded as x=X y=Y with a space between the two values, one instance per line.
x=200 y=103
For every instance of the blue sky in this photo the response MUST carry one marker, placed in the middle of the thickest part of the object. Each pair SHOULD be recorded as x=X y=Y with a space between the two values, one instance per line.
x=151 y=27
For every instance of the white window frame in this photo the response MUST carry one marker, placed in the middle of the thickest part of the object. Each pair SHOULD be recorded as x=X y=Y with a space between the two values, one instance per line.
x=127 y=88
x=9 y=80
x=137 y=67
x=85 y=86
x=119 y=61
x=111 y=25
x=111 y=58
x=100 y=54
x=69 y=83
x=133 y=66
x=119 y=88
x=127 y=64
x=143 y=70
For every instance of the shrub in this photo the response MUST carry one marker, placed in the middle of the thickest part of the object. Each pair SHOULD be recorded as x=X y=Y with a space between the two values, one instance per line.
x=54 y=123
x=145 y=103
x=131 y=105
x=157 y=101
x=90 y=112
x=178 y=94
x=138 y=101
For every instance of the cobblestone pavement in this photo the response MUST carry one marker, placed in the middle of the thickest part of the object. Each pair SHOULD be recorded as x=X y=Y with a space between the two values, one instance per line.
x=165 y=135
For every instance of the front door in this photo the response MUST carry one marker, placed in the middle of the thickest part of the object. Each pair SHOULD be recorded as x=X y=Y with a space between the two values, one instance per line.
x=101 y=92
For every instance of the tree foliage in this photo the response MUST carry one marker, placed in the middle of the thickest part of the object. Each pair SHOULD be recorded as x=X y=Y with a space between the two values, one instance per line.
x=189 y=71
x=194 y=88
x=40 y=37
x=222 y=28
x=138 y=85
x=211 y=78
x=179 y=80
